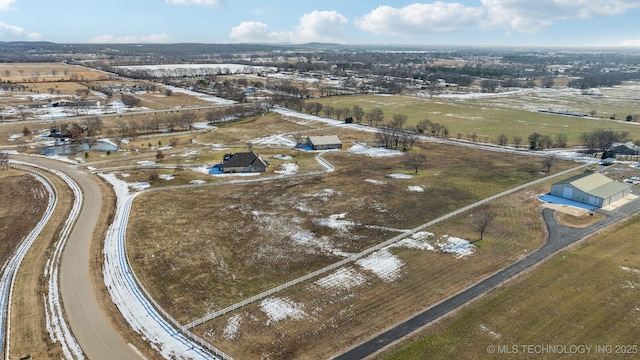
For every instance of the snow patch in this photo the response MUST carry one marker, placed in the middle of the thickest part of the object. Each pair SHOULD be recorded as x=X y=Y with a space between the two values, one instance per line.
x=335 y=222
x=377 y=182
x=166 y=177
x=139 y=186
x=493 y=334
x=416 y=241
x=278 y=309
x=342 y=279
x=282 y=157
x=459 y=247
x=146 y=162
x=415 y=188
x=399 y=176
x=383 y=264
x=373 y=151
x=274 y=140
x=230 y=331
x=287 y=169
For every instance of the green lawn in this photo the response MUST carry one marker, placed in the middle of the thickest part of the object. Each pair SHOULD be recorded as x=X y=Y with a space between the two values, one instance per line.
x=513 y=115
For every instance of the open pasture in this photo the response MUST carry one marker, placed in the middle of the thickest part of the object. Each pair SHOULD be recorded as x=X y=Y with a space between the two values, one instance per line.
x=233 y=241
x=512 y=113
x=586 y=295
x=47 y=72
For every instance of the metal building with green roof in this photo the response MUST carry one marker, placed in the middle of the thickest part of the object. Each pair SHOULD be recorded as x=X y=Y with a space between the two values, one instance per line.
x=591 y=188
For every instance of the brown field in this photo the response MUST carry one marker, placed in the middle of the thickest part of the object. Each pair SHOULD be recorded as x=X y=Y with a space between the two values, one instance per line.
x=242 y=243
x=587 y=295
x=29 y=199
x=47 y=72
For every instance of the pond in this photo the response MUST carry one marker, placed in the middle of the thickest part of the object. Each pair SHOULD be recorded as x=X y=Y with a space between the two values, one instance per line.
x=74 y=149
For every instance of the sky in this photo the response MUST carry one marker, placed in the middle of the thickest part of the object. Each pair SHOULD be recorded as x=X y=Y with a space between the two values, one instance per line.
x=556 y=23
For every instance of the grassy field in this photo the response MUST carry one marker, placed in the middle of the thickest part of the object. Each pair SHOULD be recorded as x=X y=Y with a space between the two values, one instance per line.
x=29 y=197
x=249 y=238
x=488 y=117
x=28 y=200
x=583 y=296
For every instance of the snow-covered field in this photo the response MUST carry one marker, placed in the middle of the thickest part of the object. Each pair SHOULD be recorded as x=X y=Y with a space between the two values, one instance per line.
x=182 y=70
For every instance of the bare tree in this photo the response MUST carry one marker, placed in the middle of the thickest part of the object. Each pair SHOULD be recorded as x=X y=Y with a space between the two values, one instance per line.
x=561 y=140
x=482 y=219
x=414 y=160
x=93 y=125
x=172 y=121
x=122 y=127
x=517 y=141
x=399 y=120
x=548 y=161
x=188 y=118
x=358 y=113
x=375 y=116
x=502 y=139
x=134 y=126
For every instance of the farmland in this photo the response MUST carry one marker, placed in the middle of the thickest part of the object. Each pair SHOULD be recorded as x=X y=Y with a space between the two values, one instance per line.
x=200 y=242
x=513 y=114
x=260 y=235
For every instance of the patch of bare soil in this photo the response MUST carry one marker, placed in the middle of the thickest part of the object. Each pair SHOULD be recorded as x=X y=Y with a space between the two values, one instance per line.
x=24 y=200
x=580 y=221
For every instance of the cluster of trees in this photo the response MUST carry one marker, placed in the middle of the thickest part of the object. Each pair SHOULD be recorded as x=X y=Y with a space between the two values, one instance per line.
x=219 y=116
x=601 y=139
x=539 y=141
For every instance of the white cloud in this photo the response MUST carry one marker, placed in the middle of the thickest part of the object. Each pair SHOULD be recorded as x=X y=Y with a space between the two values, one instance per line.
x=322 y=26
x=129 y=39
x=631 y=42
x=419 y=19
x=250 y=31
x=17 y=32
x=6 y=4
x=518 y=15
x=532 y=16
x=196 y=2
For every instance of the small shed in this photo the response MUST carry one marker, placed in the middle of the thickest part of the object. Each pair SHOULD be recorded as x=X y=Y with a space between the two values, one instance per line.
x=591 y=188
x=325 y=142
x=245 y=162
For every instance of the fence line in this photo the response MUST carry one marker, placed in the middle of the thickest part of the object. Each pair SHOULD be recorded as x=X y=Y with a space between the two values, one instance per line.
x=370 y=250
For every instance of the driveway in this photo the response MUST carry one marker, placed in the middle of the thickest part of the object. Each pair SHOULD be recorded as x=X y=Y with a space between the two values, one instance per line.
x=89 y=324
x=559 y=238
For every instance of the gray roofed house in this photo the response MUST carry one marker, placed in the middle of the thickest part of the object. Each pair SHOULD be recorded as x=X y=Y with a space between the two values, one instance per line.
x=628 y=148
x=591 y=188
x=244 y=162
x=324 y=142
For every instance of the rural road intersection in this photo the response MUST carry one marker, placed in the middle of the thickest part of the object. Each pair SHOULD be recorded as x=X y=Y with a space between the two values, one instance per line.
x=559 y=237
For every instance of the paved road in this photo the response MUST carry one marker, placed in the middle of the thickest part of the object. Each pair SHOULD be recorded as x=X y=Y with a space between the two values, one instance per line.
x=89 y=324
x=559 y=238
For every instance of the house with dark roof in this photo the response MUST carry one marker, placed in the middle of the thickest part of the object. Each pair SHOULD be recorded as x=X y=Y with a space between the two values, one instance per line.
x=245 y=162
x=324 y=142
x=591 y=188
x=628 y=148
